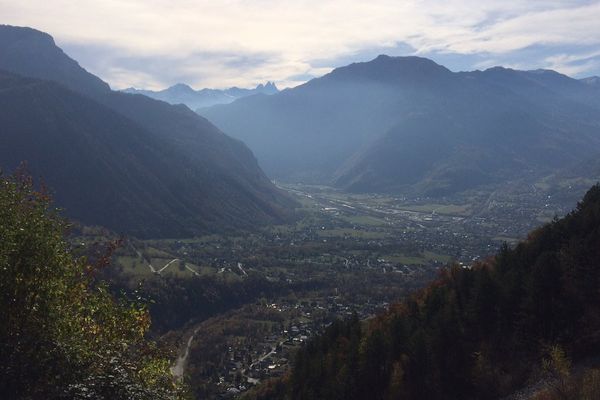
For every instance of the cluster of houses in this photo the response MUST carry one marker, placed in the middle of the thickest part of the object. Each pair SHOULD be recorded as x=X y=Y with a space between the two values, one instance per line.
x=245 y=369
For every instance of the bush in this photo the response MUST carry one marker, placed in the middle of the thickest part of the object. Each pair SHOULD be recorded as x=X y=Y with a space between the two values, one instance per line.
x=62 y=335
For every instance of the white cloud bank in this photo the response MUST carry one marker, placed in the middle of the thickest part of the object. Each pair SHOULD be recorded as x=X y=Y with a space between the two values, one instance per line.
x=218 y=43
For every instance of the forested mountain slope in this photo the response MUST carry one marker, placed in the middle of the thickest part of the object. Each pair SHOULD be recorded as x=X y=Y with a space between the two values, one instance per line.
x=409 y=125
x=127 y=162
x=475 y=333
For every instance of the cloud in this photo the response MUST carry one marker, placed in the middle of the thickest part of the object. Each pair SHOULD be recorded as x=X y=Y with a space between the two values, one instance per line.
x=575 y=64
x=240 y=42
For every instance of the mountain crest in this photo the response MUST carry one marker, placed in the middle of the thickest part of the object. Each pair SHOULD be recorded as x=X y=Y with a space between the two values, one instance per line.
x=29 y=52
x=409 y=125
x=591 y=80
x=406 y=69
x=267 y=88
x=14 y=35
x=130 y=163
x=181 y=87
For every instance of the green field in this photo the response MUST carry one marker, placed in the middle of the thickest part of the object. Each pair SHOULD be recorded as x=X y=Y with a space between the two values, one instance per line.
x=365 y=220
x=444 y=209
x=353 y=233
x=424 y=258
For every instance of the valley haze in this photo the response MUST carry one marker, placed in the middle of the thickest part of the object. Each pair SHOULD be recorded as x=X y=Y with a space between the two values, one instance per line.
x=264 y=200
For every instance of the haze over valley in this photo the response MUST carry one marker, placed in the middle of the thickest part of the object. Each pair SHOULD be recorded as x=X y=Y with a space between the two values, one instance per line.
x=269 y=205
x=183 y=176
x=409 y=125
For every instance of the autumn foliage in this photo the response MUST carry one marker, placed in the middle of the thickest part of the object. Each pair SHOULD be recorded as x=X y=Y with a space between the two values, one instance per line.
x=63 y=335
x=475 y=333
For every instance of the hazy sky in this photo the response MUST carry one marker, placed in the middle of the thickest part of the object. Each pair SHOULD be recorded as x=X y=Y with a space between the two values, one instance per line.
x=221 y=43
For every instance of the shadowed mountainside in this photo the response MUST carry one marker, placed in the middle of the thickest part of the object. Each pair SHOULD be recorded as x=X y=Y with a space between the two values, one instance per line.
x=128 y=162
x=407 y=124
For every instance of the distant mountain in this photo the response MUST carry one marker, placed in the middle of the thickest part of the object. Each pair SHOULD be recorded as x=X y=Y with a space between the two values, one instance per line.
x=407 y=124
x=591 y=80
x=198 y=99
x=130 y=163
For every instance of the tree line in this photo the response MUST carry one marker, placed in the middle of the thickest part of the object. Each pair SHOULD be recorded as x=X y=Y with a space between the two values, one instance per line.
x=474 y=333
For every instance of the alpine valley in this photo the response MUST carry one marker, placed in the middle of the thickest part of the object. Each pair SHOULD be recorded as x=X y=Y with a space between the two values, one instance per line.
x=127 y=162
x=392 y=229
x=408 y=125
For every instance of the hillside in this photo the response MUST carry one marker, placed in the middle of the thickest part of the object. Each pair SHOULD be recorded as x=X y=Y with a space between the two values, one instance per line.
x=476 y=333
x=198 y=99
x=130 y=163
x=407 y=124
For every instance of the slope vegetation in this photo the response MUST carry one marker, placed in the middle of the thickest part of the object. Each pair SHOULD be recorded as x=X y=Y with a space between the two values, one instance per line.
x=407 y=124
x=475 y=333
x=130 y=163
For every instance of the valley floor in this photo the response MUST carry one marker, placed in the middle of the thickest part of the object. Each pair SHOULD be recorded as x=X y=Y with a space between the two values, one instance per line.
x=347 y=254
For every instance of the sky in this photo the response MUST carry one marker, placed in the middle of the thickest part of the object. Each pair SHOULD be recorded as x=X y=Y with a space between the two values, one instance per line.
x=153 y=44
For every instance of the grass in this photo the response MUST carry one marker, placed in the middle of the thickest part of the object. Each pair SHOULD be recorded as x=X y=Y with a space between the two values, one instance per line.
x=365 y=220
x=505 y=239
x=444 y=209
x=424 y=258
x=354 y=233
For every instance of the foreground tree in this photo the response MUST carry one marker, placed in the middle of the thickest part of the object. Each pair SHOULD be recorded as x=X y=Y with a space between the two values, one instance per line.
x=62 y=335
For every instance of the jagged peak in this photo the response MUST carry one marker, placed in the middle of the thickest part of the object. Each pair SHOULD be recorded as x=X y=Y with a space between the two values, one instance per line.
x=268 y=87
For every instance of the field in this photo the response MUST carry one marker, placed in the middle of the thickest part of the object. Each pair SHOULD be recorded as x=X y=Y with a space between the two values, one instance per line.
x=345 y=254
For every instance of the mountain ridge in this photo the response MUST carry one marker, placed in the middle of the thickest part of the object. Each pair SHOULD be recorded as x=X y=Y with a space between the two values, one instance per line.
x=316 y=130
x=216 y=179
x=182 y=93
x=21 y=44
x=591 y=80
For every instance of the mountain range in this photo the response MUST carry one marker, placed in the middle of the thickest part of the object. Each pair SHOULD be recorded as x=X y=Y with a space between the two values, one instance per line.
x=127 y=162
x=199 y=99
x=394 y=124
x=409 y=125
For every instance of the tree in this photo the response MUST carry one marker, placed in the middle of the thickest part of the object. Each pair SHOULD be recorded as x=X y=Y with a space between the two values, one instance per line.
x=477 y=333
x=62 y=335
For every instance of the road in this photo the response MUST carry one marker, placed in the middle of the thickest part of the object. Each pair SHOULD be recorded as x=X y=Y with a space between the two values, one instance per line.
x=167 y=265
x=260 y=359
x=178 y=369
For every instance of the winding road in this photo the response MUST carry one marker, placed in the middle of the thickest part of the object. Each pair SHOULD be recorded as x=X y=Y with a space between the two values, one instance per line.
x=178 y=369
